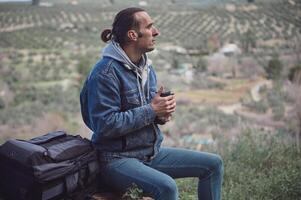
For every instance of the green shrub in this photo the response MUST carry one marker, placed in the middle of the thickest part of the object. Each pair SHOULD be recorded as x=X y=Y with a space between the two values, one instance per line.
x=24 y=113
x=31 y=101
x=187 y=188
x=2 y=103
x=260 y=166
x=248 y=40
x=278 y=112
x=259 y=107
x=83 y=67
x=294 y=73
x=275 y=97
x=25 y=94
x=201 y=65
x=133 y=193
x=274 y=68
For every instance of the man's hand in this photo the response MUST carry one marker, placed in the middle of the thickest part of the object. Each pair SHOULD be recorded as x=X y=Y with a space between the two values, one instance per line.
x=163 y=106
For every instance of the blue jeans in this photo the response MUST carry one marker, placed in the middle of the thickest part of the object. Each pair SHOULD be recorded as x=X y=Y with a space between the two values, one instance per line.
x=155 y=178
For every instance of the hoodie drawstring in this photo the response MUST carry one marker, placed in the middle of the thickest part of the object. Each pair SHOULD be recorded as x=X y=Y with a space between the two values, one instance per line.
x=139 y=88
x=147 y=79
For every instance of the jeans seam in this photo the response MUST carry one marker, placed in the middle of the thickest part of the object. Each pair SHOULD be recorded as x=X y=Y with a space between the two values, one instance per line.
x=211 y=190
x=185 y=167
x=200 y=180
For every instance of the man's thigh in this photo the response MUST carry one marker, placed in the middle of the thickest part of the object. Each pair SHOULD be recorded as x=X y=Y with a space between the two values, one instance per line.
x=122 y=173
x=179 y=163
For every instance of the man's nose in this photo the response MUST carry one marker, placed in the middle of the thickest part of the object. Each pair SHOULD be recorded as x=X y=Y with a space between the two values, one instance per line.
x=156 y=32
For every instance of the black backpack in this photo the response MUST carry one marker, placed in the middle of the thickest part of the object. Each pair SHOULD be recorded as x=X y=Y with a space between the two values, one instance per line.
x=52 y=166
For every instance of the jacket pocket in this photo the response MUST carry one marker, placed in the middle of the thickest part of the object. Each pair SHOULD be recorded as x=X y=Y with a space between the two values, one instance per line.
x=132 y=97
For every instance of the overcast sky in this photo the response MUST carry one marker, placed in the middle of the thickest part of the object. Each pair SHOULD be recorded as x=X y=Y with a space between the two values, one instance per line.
x=14 y=0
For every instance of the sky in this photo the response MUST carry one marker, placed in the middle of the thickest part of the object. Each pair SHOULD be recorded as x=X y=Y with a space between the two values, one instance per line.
x=14 y=1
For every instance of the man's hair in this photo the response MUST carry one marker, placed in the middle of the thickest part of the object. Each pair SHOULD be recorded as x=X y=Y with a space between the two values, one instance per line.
x=123 y=22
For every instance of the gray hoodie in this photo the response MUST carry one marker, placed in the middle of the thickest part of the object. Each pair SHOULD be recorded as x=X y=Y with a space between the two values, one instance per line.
x=114 y=50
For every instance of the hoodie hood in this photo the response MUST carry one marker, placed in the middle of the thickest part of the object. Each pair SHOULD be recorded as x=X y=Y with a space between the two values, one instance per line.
x=114 y=50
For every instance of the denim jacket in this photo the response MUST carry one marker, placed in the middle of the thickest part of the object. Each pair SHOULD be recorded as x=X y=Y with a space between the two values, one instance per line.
x=118 y=111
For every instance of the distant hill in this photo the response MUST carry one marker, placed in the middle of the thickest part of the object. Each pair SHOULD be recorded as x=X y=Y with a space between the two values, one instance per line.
x=275 y=20
x=149 y=2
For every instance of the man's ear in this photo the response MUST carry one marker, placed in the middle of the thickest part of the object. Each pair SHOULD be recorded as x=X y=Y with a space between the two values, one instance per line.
x=132 y=35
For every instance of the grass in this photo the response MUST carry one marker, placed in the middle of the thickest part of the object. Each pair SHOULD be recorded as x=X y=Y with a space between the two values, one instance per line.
x=187 y=188
x=261 y=166
x=256 y=166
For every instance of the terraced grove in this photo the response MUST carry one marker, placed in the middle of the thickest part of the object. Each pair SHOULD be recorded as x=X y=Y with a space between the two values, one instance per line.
x=46 y=51
x=47 y=27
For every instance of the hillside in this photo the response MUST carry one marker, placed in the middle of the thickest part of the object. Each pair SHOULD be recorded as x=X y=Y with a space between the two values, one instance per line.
x=276 y=20
x=229 y=62
x=47 y=50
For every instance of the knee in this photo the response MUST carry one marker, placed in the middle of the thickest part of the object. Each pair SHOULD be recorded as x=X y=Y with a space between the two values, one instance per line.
x=167 y=189
x=217 y=164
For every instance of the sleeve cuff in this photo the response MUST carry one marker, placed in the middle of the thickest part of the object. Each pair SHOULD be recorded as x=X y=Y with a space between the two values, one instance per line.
x=150 y=114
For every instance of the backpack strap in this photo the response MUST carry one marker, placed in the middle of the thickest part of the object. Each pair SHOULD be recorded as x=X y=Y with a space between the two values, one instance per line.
x=93 y=171
x=71 y=182
x=47 y=137
x=68 y=149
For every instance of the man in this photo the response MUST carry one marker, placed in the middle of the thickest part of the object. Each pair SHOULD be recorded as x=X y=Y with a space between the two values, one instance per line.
x=121 y=105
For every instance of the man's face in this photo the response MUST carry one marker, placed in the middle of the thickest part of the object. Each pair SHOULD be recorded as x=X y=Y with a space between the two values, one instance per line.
x=146 y=40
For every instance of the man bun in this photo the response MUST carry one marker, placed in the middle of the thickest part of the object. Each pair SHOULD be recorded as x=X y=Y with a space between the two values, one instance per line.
x=124 y=21
x=106 y=35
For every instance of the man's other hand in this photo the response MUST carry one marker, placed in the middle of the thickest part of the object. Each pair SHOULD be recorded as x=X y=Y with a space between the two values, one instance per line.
x=163 y=106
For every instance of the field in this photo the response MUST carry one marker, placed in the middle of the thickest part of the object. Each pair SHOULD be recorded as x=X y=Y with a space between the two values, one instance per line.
x=46 y=52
